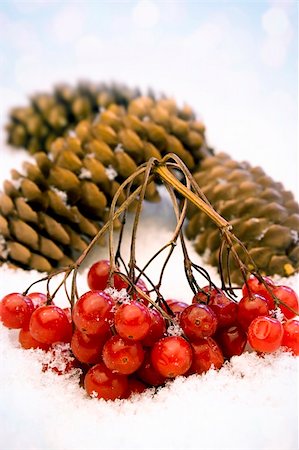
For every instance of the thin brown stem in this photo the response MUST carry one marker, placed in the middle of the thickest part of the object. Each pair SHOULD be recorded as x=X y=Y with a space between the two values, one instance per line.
x=146 y=176
x=167 y=176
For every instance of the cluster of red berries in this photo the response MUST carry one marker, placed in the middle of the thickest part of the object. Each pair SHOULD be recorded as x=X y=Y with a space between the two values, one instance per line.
x=124 y=344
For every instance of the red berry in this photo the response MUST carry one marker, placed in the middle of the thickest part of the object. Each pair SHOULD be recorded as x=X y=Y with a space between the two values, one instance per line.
x=49 y=324
x=157 y=328
x=27 y=341
x=92 y=313
x=198 y=321
x=288 y=296
x=87 y=348
x=265 y=334
x=38 y=299
x=251 y=307
x=206 y=354
x=98 y=276
x=148 y=373
x=224 y=308
x=205 y=295
x=135 y=387
x=68 y=313
x=176 y=306
x=171 y=356
x=257 y=287
x=100 y=382
x=132 y=320
x=232 y=340
x=142 y=286
x=122 y=356
x=16 y=310
x=291 y=335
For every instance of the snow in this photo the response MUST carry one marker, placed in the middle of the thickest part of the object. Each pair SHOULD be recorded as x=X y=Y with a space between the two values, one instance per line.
x=111 y=173
x=85 y=174
x=61 y=194
x=251 y=403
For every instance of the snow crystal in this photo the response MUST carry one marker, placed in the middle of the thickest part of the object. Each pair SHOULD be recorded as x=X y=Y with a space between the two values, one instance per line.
x=94 y=394
x=16 y=182
x=3 y=248
x=119 y=296
x=119 y=148
x=174 y=330
x=61 y=194
x=59 y=358
x=295 y=235
x=278 y=314
x=85 y=174
x=111 y=172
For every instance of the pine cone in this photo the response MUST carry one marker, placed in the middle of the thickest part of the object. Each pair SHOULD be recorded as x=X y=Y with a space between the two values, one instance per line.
x=51 y=212
x=264 y=216
x=49 y=116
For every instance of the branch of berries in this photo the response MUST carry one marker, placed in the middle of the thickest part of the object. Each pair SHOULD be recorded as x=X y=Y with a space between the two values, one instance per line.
x=123 y=334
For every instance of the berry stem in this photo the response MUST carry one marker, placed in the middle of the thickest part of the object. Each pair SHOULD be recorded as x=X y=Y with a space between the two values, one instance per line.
x=165 y=174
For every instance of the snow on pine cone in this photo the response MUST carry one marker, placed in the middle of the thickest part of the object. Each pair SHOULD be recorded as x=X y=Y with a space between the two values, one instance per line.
x=49 y=116
x=50 y=212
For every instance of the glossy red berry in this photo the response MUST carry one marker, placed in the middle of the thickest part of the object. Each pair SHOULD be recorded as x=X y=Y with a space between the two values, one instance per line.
x=135 y=387
x=232 y=340
x=68 y=313
x=100 y=382
x=265 y=334
x=198 y=321
x=171 y=356
x=288 y=296
x=49 y=324
x=251 y=307
x=87 y=348
x=132 y=320
x=291 y=335
x=224 y=308
x=137 y=296
x=38 y=299
x=206 y=293
x=257 y=287
x=27 y=341
x=206 y=354
x=98 y=276
x=92 y=313
x=176 y=306
x=157 y=328
x=122 y=356
x=148 y=373
x=16 y=310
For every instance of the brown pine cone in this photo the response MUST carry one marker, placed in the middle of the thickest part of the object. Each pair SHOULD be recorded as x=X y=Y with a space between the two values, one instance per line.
x=264 y=216
x=49 y=116
x=51 y=213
